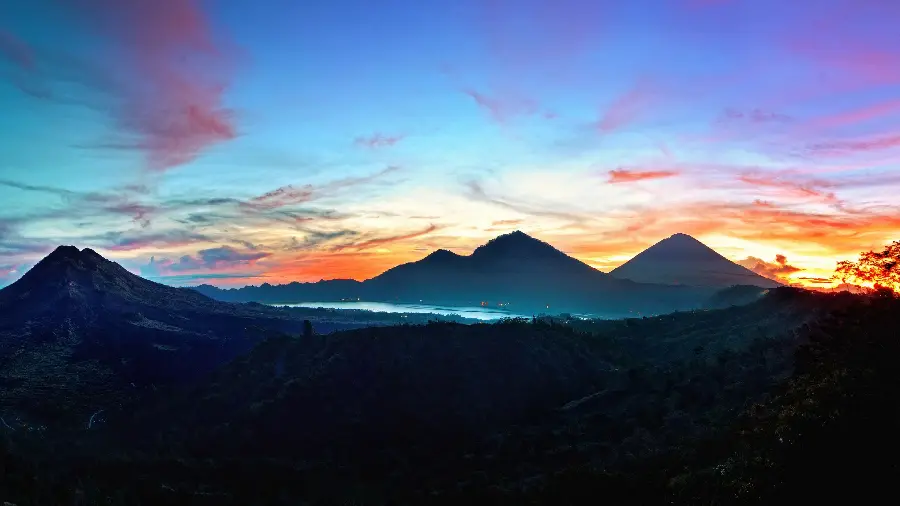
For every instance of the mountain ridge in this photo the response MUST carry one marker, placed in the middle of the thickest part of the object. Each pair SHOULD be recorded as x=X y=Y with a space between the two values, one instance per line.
x=514 y=269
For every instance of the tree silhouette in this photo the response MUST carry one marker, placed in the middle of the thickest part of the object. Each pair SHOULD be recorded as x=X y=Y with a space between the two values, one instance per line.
x=307 y=329
x=880 y=268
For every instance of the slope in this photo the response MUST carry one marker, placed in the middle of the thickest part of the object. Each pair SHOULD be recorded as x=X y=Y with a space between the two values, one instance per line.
x=79 y=333
x=683 y=260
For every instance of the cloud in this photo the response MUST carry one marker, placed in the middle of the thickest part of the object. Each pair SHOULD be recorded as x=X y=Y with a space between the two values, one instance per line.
x=381 y=241
x=162 y=80
x=754 y=116
x=205 y=262
x=630 y=176
x=291 y=195
x=281 y=197
x=16 y=50
x=129 y=241
x=314 y=238
x=506 y=223
x=476 y=192
x=378 y=140
x=628 y=107
x=778 y=271
x=804 y=189
x=816 y=280
x=859 y=145
x=117 y=201
x=502 y=110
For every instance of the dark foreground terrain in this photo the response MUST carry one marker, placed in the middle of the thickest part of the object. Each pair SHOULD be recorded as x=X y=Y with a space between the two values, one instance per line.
x=791 y=397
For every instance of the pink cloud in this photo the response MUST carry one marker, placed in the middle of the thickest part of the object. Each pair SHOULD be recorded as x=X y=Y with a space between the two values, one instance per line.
x=171 y=95
x=803 y=189
x=16 y=50
x=860 y=145
x=378 y=140
x=627 y=108
x=854 y=117
x=502 y=110
x=630 y=176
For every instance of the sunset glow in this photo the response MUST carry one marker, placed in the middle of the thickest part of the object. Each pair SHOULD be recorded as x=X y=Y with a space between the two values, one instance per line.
x=239 y=143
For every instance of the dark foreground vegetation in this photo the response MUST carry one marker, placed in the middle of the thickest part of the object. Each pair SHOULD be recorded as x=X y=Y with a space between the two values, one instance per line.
x=792 y=397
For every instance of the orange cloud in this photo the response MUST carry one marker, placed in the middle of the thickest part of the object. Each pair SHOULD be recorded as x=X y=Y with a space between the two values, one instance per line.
x=630 y=176
x=780 y=270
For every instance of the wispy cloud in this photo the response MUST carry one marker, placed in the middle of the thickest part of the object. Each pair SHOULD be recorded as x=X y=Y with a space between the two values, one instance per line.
x=630 y=176
x=814 y=188
x=291 y=195
x=476 y=192
x=281 y=197
x=503 y=109
x=855 y=146
x=383 y=241
x=16 y=50
x=628 y=107
x=130 y=241
x=378 y=141
x=754 y=116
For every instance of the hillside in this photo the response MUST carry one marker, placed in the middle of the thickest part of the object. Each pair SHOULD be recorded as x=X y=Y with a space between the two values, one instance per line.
x=683 y=260
x=373 y=407
x=79 y=333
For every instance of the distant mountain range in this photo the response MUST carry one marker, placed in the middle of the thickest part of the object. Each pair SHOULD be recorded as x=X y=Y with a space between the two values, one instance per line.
x=683 y=260
x=530 y=276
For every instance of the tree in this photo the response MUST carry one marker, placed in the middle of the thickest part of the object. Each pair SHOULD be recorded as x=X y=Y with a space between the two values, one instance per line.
x=307 y=329
x=880 y=268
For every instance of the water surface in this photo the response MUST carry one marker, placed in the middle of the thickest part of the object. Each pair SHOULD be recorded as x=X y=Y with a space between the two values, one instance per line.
x=479 y=313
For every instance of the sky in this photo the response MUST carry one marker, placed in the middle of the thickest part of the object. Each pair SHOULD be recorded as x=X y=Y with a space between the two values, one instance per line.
x=238 y=142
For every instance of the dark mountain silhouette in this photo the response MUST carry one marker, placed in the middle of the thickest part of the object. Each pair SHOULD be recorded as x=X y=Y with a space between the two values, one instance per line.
x=516 y=270
x=78 y=329
x=325 y=290
x=683 y=260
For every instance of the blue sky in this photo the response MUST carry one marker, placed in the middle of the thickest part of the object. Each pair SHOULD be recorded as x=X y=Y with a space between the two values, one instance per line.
x=239 y=142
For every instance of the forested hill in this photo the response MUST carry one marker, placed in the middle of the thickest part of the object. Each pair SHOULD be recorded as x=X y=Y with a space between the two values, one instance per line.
x=707 y=407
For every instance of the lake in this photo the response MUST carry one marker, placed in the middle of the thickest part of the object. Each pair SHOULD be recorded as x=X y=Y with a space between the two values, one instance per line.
x=478 y=313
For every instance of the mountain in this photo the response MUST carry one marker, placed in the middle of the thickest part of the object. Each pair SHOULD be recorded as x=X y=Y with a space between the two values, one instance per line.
x=518 y=271
x=683 y=260
x=79 y=332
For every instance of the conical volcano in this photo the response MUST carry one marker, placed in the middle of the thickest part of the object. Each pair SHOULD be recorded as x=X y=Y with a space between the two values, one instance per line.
x=79 y=332
x=683 y=260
